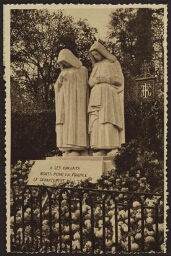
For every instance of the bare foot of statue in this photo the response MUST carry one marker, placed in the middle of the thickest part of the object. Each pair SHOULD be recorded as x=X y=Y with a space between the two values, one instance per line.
x=101 y=152
x=74 y=153
x=84 y=153
x=66 y=153
x=113 y=152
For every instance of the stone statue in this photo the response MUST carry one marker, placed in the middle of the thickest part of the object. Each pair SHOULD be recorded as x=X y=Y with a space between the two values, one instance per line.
x=71 y=98
x=106 y=104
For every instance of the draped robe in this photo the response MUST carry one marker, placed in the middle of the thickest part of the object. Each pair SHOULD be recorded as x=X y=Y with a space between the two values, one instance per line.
x=71 y=94
x=106 y=106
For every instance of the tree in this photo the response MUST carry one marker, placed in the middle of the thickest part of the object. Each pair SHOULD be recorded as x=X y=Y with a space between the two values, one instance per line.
x=137 y=35
x=158 y=43
x=37 y=36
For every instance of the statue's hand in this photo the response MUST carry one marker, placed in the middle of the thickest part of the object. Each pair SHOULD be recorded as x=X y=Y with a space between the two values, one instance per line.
x=101 y=79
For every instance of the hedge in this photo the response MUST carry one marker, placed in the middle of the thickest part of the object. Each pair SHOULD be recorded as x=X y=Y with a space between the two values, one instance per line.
x=32 y=135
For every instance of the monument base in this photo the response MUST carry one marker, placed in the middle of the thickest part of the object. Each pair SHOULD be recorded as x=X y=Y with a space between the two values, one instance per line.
x=54 y=171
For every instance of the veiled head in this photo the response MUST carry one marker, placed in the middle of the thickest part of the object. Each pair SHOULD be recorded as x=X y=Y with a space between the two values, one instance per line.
x=98 y=49
x=68 y=59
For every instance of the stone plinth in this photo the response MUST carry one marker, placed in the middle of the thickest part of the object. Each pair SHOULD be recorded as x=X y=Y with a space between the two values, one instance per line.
x=57 y=170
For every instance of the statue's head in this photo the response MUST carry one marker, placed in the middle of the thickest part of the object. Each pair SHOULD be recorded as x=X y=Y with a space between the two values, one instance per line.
x=99 y=52
x=67 y=59
x=97 y=55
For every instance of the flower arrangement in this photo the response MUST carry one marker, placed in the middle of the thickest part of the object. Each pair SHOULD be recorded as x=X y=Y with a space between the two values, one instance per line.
x=74 y=220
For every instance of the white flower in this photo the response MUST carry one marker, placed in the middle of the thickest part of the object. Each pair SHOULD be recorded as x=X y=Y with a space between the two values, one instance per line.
x=149 y=239
x=149 y=210
x=45 y=222
x=66 y=238
x=45 y=228
x=18 y=219
x=108 y=242
x=162 y=246
x=64 y=202
x=88 y=244
x=138 y=210
x=87 y=224
x=98 y=211
x=77 y=213
x=161 y=227
x=56 y=226
x=161 y=203
x=12 y=232
x=28 y=210
x=12 y=219
x=99 y=233
x=20 y=230
x=134 y=247
x=87 y=216
x=76 y=244
x=113 y=249
x=75 y=227
x=120 y=223
x=66 y=229
x=138 y=236
x=110 y=213
x=138 y=216
x=149 y=220
x=74 y=216
x=100 y=223
x=85 y=208
x=131 y=221
x=76 y=236
x=139 y=223
x=19 y=213
x=107 y=220
x=112 y=221
x=125 y=227
x=27 y=216
x=122 y=214
x=136 y=204
x=124 y=244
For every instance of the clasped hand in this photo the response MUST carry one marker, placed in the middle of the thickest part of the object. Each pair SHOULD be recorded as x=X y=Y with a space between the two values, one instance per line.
x=101 y=79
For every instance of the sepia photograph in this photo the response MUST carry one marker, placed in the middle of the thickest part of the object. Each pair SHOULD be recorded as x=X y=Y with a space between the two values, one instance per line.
x=86 y=128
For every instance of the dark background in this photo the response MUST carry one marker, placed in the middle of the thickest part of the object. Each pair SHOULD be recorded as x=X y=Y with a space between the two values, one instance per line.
x=2 y=115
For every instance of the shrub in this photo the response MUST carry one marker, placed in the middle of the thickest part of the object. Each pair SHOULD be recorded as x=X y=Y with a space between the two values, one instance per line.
x=32 y=135
x=145 y=121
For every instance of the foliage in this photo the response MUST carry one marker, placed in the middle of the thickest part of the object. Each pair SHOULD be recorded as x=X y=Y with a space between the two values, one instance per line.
x=32 y=135
x=145 y=121
x=136 y=158
x=37 y=36
x=144 y=149
x=136 y=35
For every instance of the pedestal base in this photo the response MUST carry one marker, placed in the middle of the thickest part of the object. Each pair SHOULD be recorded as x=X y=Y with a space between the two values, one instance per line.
x=57 y=170
x=108 y=163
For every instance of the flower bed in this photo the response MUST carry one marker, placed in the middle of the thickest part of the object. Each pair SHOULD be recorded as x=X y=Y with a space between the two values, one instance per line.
x=107 y=217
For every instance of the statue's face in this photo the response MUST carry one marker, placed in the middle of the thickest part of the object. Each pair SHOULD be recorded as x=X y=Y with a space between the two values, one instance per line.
x=64 y=64
x=97 y=55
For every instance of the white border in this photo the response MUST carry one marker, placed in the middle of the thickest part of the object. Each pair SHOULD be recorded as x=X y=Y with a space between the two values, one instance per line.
x=6 y=53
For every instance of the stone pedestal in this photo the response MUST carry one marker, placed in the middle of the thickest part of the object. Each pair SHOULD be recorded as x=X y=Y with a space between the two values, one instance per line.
x=107 y=161
x=58 y=169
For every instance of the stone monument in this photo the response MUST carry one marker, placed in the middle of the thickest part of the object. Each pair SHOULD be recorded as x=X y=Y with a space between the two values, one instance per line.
x=71 y=98
x=80 y=119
